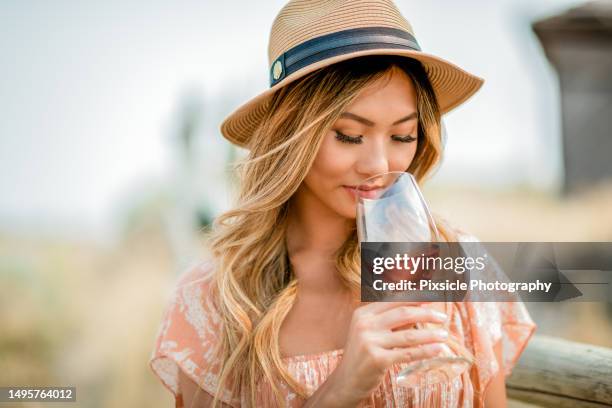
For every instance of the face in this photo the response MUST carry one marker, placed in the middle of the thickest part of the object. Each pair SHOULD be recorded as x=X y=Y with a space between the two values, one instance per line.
x=377 y=133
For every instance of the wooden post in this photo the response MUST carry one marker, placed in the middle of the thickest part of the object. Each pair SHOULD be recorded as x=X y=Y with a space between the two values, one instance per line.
x=553 y=372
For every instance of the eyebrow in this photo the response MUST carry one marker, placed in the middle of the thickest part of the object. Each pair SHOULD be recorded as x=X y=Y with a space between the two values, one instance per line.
x=367 y=122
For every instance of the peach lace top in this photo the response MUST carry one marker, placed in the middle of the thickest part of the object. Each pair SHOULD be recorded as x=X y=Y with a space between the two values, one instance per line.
x=191 y=326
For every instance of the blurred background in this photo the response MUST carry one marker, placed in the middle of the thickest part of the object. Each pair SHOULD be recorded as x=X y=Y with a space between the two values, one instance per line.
x=112 y=164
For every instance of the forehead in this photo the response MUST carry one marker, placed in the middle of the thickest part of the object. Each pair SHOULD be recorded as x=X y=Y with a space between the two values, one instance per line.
x=392 y=95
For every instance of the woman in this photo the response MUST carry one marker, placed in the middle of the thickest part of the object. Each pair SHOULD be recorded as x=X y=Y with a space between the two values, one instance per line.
x=274 y=318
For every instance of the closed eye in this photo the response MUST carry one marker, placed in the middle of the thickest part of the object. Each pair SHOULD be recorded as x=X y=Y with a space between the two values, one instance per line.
x=358 y=139
x=348 y=139
x=404 y=139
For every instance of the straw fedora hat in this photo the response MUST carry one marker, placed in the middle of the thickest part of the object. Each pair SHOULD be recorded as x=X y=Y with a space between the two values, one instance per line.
x=307 y=35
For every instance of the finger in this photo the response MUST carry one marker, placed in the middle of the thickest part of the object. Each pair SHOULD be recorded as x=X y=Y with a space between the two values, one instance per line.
x=379 y=307
x=422 y=352
x=412 y=337
x=408 y=314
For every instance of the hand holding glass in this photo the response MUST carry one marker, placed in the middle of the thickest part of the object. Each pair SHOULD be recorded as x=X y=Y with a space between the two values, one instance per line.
x=391 y=208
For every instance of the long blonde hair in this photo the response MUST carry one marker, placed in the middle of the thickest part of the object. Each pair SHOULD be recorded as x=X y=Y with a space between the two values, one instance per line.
x=254 y=287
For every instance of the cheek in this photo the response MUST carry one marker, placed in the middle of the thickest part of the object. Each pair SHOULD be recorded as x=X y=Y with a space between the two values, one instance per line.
x=333 y=161
x=400 y=159
x=331 y=169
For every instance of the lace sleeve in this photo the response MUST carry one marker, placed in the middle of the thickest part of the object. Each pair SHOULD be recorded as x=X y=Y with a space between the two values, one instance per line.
x=490 y=322
x=188 y=335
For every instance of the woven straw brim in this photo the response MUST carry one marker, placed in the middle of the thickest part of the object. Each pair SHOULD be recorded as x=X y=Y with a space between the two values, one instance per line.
x=452 y=86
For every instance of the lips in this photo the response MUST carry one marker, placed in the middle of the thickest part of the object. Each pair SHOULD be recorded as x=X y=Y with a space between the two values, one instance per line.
x=364 y=191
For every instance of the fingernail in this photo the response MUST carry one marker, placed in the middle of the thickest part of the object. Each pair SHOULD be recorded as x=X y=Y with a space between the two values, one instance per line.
x=440 y=315
x=437 y=347
x=440 y=333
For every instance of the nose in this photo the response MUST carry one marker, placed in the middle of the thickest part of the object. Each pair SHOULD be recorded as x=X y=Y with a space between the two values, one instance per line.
x=373 y=159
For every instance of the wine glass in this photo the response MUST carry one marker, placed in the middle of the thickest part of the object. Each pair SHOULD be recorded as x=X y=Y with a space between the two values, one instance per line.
x=391 y=208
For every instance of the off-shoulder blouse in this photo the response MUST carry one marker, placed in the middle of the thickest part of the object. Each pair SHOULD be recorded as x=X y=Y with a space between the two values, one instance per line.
x=190 y=328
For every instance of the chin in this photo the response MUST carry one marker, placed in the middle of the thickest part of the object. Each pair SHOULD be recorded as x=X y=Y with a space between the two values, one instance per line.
x=343 y=205
x=346 y=211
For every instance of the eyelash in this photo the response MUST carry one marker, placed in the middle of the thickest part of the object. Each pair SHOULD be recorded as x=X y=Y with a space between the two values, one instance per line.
x=357 y=139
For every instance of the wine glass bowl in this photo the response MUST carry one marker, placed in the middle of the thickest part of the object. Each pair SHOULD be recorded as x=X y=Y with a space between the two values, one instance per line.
x=391 y=208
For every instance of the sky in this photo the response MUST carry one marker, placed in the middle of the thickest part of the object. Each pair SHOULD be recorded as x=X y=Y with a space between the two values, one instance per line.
x=91 y=94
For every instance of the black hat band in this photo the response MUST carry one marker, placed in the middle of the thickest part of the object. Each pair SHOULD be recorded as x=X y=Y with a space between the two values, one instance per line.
x=339 y=43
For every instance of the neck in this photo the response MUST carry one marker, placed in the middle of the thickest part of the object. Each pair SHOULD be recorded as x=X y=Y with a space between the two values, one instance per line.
x=314 y=233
